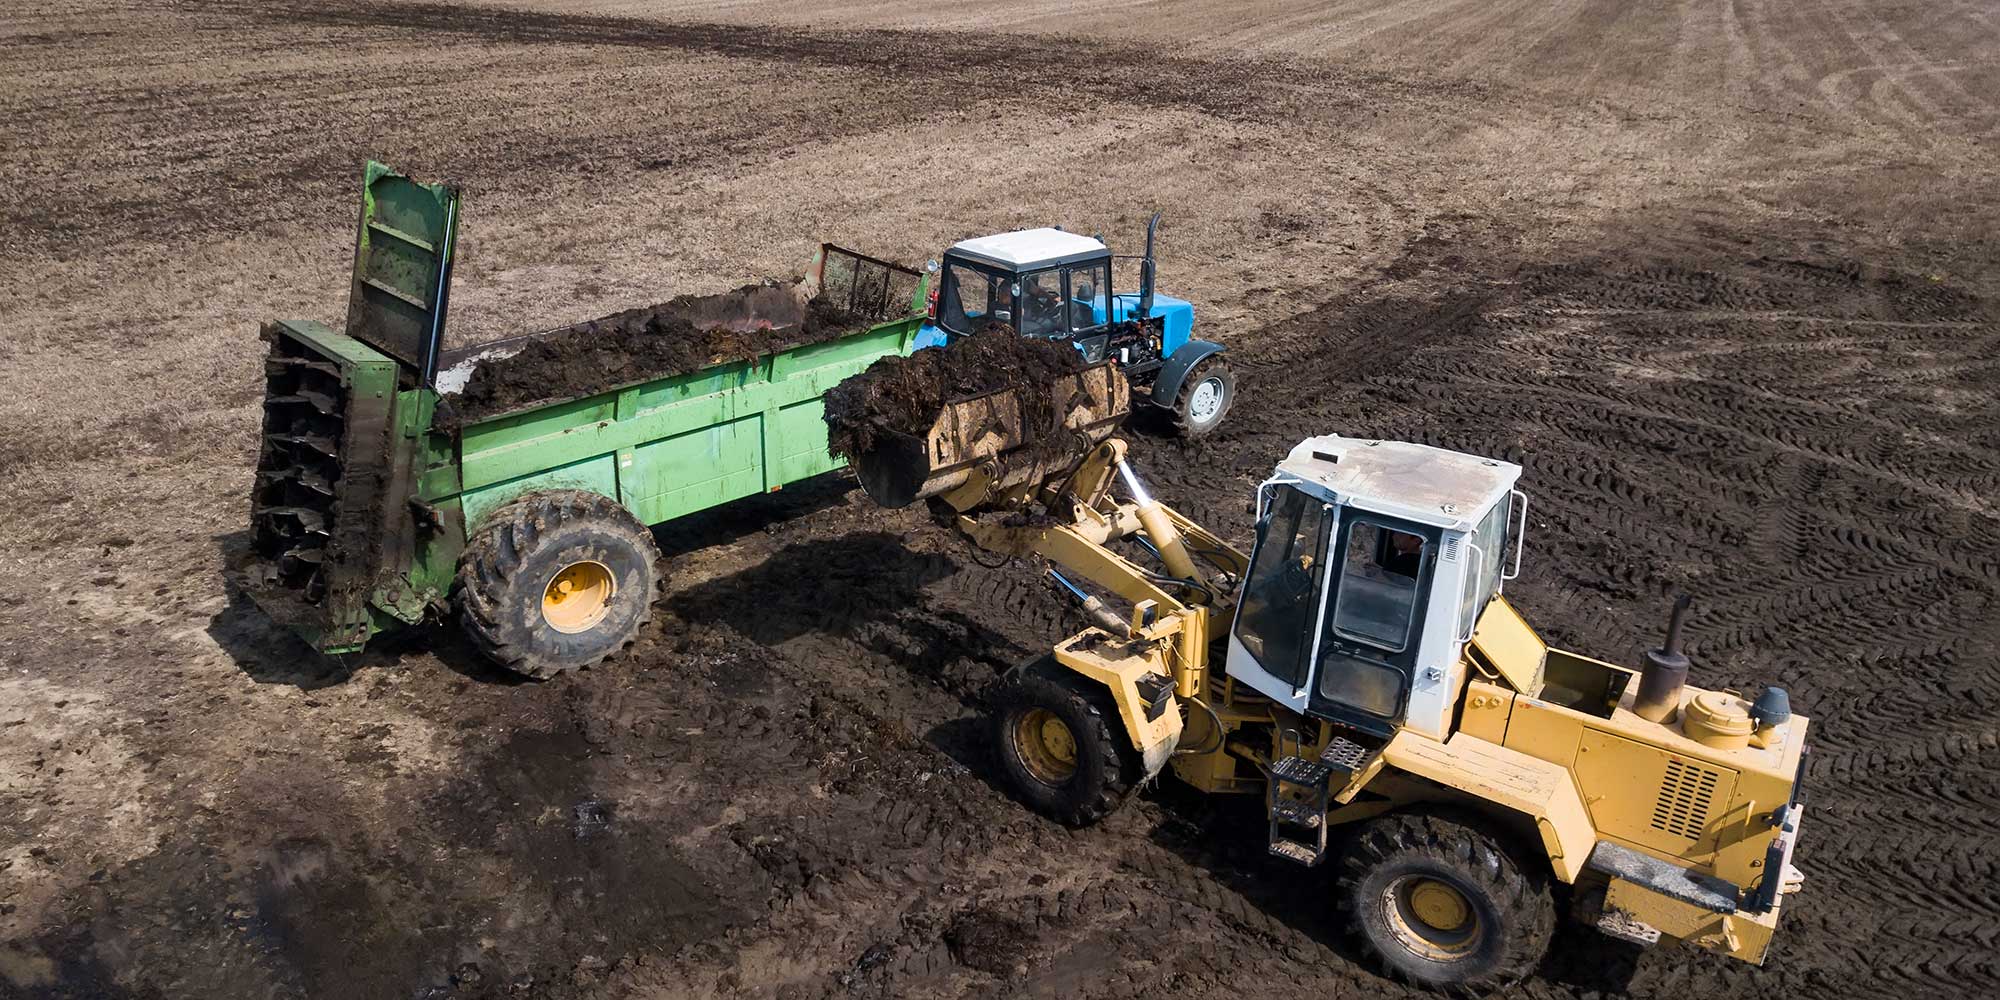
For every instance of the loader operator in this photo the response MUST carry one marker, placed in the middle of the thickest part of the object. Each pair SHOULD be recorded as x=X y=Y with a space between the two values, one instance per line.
x=1406 y=553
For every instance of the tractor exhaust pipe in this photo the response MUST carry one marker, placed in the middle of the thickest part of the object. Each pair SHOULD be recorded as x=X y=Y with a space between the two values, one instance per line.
x=1146 y=272
x=1665 y=672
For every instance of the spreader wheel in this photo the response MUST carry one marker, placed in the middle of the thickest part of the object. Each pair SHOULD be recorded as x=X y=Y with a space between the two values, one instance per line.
x=557 y=580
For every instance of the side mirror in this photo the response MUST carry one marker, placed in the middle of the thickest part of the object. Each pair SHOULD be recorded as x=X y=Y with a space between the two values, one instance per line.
x=931 y=266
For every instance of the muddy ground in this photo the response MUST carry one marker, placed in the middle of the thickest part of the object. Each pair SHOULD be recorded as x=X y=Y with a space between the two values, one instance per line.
x=1722 y=277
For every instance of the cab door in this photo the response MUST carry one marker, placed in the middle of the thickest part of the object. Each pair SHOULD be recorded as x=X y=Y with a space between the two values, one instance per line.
x=1270 y=645
x=1380 y=576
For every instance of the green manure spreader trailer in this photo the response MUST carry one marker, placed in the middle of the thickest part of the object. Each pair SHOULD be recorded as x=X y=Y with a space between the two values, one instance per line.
x=391 y=489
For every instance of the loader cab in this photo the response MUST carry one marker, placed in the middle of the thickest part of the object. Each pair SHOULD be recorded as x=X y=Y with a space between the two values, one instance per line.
x=1373 y=561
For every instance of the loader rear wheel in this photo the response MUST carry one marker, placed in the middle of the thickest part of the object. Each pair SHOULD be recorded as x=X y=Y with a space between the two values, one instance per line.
x=1204 y=398
x=1061 y=745
x=555 y=581
x=1446 y=905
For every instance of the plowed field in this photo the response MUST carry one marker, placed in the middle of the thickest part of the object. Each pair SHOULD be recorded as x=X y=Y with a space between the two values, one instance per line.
x=1722 y=277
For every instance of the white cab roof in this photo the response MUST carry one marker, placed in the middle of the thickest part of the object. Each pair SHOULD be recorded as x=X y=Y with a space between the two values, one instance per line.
x=1029 y=246
x=1414 y=481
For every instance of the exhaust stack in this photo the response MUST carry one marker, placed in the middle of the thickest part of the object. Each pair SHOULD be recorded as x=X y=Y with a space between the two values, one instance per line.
x=1665 y=672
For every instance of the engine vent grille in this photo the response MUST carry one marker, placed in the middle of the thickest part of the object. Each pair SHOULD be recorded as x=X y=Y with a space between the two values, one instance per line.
x=1686 y=794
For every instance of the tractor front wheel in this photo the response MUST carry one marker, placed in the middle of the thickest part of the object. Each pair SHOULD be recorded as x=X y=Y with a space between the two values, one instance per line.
x=1061 y=745
x=1446 y=905
x=555 y=581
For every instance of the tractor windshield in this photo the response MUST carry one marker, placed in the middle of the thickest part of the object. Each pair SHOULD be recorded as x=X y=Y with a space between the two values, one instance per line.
x=972 y=297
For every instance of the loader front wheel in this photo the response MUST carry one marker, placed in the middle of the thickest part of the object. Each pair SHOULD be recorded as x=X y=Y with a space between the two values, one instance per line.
x=1446 y=905
x=555 y=581
x=1061 y=745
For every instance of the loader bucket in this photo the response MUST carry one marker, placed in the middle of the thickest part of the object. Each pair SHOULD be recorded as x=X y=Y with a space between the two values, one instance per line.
x=1011 y=437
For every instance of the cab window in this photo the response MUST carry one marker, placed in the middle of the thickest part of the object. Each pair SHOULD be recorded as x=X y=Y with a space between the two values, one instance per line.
x=1483 y=572
x=1280 y=593
x=1377 y=598
x=971 y=298
x=1089 y=285
x=1042 y=312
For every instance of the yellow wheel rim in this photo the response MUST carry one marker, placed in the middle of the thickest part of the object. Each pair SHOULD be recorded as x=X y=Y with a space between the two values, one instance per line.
x=1045 y=746
x=1432 y=917
x=578 y=597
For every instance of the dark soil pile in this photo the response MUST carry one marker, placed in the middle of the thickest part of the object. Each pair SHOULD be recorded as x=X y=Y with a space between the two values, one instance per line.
x=684 y=334
x=903 y=395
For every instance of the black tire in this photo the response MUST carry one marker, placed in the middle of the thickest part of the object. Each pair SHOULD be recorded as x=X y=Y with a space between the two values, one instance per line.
x=1183 y=417
x=1507 y=912
x=514 y=559
x=1105 y=767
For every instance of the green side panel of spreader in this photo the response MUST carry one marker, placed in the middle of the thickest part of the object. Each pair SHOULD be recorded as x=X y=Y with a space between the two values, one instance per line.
x=597 y=474
x=681 y=444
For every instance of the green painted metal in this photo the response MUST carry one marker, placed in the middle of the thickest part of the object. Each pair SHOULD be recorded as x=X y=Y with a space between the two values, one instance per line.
x=403 y=254
x=679 y=444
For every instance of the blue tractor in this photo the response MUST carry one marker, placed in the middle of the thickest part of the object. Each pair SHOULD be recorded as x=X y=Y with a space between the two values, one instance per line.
x=1057 y=285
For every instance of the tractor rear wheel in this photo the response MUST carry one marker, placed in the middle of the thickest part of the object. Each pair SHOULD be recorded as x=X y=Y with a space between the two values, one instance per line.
x=1061 y=744
x=1446 y=905
x=1204 y=398
x=557 y=580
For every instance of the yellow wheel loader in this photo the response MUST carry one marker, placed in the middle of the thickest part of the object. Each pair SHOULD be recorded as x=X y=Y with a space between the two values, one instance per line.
x=1363 y=667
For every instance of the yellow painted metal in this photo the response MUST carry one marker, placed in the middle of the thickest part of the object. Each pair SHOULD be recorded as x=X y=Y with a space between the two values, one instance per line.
x=1741 y=935
x=1119 y=665
x=578 y=597
x=1550 y=732
x=1504 y=641
x=1646 y=780
x=1439 y=905
x=1718 y=719
x=1166 y=539
x=1045 y=745
x=1206 y=761
x=1432 y=917
x=1487 y=706
x=1650 y=798
x=1538 y=790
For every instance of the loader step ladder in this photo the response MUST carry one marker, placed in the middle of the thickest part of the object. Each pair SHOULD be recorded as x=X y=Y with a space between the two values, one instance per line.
x=1300 y=792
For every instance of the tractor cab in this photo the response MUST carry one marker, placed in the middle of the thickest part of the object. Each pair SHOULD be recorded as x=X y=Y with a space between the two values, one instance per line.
x=1374 y=560
x=1052 y=284
x=1058 y=285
